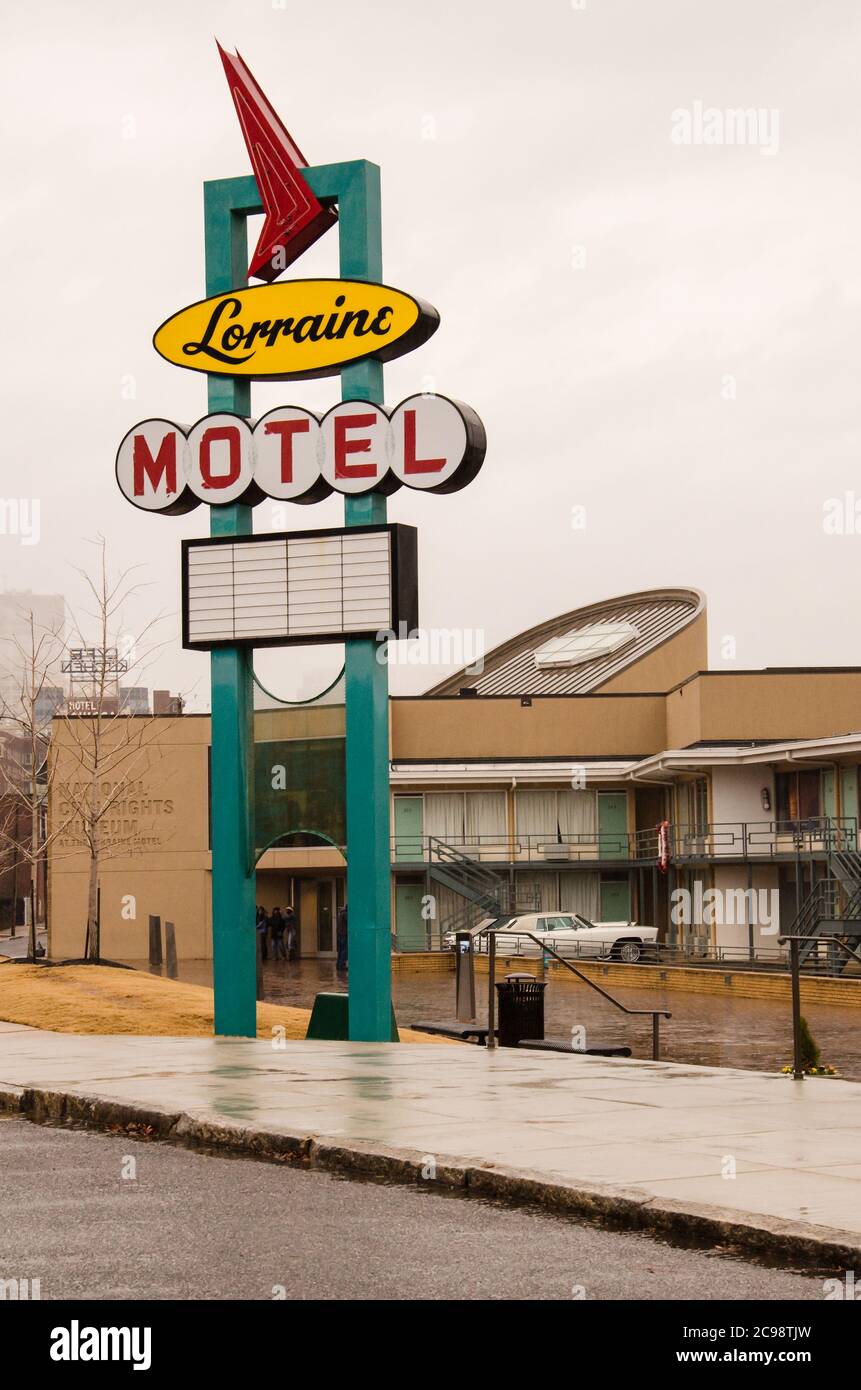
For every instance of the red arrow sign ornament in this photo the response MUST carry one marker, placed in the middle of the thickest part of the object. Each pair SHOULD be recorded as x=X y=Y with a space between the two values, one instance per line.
x=294 y=217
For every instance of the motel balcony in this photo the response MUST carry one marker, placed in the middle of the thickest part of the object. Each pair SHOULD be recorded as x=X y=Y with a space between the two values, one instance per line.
x=728 y=841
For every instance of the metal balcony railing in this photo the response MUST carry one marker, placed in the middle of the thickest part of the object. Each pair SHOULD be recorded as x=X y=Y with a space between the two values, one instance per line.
x=763 y=839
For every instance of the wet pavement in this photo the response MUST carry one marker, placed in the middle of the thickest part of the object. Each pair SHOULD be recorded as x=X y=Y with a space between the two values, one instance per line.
x=709 y=1031
x=186 y=1225
x=733 y=1146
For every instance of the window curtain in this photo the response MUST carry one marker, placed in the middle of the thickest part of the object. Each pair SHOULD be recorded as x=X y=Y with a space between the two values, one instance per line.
x=540 y=888
x=443 y=816
x=578 y=816
x=580 y=893
x=484 y=817
x=535 y=815
x=449 y=906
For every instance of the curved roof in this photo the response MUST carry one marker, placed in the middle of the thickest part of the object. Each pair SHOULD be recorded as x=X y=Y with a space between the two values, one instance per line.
x=511 y=668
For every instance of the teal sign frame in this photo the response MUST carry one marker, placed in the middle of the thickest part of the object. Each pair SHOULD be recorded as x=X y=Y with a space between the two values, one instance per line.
x=228 y=203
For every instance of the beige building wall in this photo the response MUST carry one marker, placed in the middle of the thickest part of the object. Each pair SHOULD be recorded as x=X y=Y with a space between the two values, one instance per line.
x=159 y=861
x=668 y=664
x=551 y=726
x=157 y=857
x=763 y=705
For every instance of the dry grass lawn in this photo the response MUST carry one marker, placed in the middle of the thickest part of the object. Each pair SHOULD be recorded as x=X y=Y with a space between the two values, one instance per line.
x=103 y=999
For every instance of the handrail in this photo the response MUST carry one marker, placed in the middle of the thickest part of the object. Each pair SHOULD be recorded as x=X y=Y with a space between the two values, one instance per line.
x=490 y=932
x=484 y=883
x=795 y=971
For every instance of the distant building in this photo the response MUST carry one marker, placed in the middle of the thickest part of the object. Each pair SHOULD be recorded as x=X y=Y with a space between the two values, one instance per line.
x=16 y=832
x=165 y=703
x=134 y=699
x=49 y=702
x=49 y=618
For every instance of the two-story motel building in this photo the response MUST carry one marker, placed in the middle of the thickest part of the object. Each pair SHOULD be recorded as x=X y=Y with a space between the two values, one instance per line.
x=553 y=766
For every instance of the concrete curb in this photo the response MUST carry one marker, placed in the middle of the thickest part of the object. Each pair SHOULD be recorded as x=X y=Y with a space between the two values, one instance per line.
x=782 y=1242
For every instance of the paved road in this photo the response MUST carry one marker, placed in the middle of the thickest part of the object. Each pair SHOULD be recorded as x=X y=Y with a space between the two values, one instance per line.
x=192 y=1226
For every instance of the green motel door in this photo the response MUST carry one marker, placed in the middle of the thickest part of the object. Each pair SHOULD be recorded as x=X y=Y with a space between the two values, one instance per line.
x=408 y=829
x=849 y=804
x=612 y=825
x=410 y=925
x=844 y=834
x=615 y=900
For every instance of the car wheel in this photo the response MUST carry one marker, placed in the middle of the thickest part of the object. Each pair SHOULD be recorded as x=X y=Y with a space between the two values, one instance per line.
x=630 y=952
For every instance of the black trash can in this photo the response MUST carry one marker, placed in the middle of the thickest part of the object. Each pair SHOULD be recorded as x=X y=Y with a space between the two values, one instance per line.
x=521 y=1009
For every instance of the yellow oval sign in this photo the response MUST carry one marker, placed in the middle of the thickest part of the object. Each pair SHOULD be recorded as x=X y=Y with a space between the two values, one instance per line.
x=295 y=328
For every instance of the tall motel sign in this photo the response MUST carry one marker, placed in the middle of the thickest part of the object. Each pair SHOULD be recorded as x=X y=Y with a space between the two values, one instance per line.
x=348 y=585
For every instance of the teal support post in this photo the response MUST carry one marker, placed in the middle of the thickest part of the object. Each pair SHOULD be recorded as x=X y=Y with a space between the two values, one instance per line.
x=357 y=187
x=234 y=944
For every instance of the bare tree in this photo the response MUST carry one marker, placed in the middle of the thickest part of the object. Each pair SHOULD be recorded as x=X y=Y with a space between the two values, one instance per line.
x=104 y=750
x=25 y=769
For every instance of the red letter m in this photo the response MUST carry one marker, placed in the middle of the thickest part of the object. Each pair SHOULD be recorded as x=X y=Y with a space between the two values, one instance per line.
x=162 y=466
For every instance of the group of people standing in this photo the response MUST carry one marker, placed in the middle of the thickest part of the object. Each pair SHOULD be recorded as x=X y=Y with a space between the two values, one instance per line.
x=281 y=929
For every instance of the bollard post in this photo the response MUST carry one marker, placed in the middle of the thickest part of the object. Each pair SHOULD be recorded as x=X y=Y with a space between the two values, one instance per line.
x=795 y=965
x=170 y=950
x=491 y=989
x=155 y=957
x=464 y=977
x=656 y=1037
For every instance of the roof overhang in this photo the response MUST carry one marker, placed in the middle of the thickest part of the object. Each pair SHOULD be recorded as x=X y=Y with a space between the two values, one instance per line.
x=681 y=760
x=510 y=774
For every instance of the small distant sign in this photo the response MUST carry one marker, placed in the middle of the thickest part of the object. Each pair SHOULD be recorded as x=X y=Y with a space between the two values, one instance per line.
x=88 y=706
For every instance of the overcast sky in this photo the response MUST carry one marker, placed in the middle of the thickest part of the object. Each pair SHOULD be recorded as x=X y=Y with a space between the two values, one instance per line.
x=665 y=334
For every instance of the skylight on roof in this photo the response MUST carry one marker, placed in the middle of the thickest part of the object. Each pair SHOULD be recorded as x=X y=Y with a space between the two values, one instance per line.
x=585 y=644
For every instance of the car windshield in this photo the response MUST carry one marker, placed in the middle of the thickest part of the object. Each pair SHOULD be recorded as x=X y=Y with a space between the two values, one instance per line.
x=581 y=923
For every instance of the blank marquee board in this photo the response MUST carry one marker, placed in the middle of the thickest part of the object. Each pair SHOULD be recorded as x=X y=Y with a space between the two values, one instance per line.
x=294 y=588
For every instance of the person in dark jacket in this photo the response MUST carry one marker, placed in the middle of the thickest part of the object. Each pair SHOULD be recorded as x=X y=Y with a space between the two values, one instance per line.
x=291 y=929
x=262 y=928
x=276 y=931
x=341 y=938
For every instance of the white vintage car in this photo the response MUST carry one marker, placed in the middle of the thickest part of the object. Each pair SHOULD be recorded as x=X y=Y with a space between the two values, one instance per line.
x=570 y=935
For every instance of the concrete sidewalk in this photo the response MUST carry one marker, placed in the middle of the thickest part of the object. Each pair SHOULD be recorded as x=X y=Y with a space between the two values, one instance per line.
x=15 y=947
x=747 y=1158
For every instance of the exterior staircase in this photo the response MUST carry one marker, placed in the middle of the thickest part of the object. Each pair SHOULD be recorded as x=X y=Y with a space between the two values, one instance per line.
x=485 y=894
x=833 y=907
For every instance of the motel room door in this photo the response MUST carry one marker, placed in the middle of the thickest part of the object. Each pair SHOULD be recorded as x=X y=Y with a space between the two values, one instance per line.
x=408 y=828
x=410 y=926
x=613 y=825
x=849 y=797
x=848 y=802
x=615 y=900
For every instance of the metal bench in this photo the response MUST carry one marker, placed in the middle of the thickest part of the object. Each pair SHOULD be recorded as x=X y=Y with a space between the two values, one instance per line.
x=540 y=1045
x=462 y=1031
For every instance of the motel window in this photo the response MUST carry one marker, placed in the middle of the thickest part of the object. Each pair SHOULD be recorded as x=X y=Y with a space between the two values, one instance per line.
x=471 y=818
x=580 y=893
x=798 y=795
x=556 y=816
